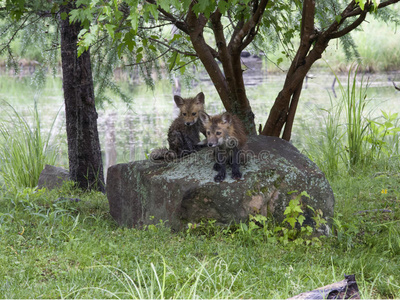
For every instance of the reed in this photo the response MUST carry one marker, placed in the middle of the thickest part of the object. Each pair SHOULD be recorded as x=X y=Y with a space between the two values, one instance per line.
x=25 y=148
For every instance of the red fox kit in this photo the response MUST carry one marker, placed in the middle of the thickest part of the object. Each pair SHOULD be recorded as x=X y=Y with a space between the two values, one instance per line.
x=225 y=132
x=184 y=132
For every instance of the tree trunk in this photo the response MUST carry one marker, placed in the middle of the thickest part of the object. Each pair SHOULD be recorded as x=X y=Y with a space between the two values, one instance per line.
x=283 y=111
x=228 y=82
x=85 y=162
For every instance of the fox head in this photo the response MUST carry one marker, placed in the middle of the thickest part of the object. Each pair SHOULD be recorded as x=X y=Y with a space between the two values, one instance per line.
x=190 y=108
x=219 y=130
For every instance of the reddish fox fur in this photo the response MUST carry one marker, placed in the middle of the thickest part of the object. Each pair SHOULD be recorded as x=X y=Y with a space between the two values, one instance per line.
x=184 y=132
x=225 y=132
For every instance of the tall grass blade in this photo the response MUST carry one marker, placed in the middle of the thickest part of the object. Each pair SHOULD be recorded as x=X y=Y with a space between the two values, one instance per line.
x=24 y=148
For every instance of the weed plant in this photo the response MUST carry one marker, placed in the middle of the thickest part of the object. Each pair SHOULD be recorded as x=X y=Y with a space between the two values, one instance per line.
x=24 y=149
x=349 y=138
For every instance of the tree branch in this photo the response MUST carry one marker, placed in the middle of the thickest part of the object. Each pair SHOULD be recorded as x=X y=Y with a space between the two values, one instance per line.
x=170 y=17
x=387 y=3
x=249 y=28
x=151 y=60
x=349 y=28
x=206 y=54
x=223 y=53
x=307 y=30
x=17 y=30
x=173 y=48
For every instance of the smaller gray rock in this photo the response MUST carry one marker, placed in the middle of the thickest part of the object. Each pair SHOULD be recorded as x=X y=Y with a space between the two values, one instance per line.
x=52 y=177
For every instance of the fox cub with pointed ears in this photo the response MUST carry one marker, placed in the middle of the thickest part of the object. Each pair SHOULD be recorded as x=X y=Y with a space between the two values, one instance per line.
x=184 y=132
x=226 y=134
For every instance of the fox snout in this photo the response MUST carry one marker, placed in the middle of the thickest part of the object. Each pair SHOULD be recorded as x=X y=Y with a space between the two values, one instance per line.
x=213 y=141
x=190 y=123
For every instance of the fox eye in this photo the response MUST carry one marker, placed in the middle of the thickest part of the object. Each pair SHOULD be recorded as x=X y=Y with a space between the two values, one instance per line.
x=184 y=114
x=218 y=133
x=193 y=114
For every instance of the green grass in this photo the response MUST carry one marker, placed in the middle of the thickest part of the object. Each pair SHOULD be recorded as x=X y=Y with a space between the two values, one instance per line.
x=53 y=247
x=352 y=135
x=24 y=149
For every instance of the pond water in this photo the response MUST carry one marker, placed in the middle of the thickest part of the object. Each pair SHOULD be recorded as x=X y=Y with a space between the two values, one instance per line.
x=128 y=133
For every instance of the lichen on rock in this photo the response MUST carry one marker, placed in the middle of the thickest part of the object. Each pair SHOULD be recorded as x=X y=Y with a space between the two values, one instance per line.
x=181 y=191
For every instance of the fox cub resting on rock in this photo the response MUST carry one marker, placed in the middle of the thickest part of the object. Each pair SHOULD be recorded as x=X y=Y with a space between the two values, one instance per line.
x=226 y=134
x=184 y=132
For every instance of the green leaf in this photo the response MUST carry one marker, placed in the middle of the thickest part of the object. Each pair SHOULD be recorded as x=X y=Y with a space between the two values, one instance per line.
x=295 y=191
x=152 y=9
x=134 y=18
x=338 y=18
x=173 y=60
x=223 y=6
x=204 y=7
x=301 y=219
x=388 y=124
x=361 y=3
x=298 y=209
x=120 y=49
x=165 y=5
x=139 y=58
x=291 y=221
x=110 y=29
x=81 y=49
x=304 y=193
x=288 y=210
x=186 y=4
x=74 y=15
x=82 y=33
x=64 y=15
x=175 y=38
x=385 y=114
x=80 y=2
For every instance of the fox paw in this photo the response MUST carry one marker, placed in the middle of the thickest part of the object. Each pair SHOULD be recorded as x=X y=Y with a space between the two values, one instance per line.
x=236 y=175
x=219 y=177
x=217 y=167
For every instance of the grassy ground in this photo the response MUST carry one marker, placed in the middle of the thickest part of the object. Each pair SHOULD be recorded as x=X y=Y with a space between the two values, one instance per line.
x=54 y=247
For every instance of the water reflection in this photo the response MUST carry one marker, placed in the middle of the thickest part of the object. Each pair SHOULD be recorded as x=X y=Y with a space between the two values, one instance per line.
x=128 y=134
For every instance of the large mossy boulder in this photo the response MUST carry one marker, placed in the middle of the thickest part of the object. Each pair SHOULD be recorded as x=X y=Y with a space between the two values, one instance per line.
x=182 y=191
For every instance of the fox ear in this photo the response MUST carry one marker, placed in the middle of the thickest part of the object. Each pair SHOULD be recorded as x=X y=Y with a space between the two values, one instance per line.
x=178 y=100
x=226 y=118
x=200 y=97
x=204 y=117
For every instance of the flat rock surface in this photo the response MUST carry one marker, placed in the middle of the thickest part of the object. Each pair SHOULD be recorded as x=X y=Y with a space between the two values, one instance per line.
x=182 y=191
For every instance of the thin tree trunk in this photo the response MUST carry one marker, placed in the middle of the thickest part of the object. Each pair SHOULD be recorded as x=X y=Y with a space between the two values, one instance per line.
x=85 y=162
x=283 y=111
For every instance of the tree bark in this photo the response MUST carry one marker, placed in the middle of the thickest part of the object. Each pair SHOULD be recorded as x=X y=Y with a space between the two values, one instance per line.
x=228 y=81
x=85 y=161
